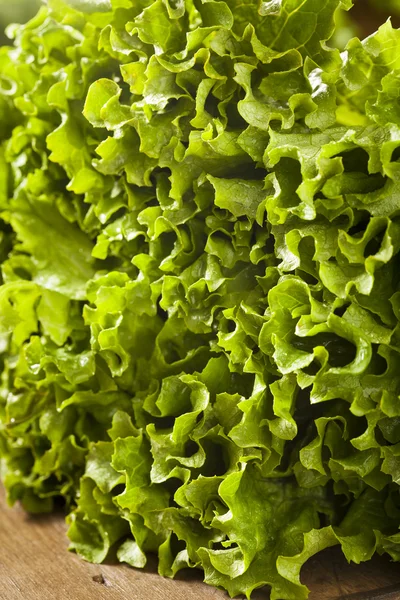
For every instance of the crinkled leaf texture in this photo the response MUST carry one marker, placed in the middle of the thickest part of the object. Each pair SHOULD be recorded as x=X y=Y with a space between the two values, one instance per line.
x=200 y=293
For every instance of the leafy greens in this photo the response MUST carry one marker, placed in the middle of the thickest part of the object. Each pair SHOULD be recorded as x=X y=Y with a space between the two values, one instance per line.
x=200 y=293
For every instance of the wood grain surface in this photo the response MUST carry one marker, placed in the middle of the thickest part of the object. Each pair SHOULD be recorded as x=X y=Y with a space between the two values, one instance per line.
x=35 y=565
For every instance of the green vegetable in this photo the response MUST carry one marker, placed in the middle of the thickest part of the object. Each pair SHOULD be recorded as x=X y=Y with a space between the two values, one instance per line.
x=200 y=292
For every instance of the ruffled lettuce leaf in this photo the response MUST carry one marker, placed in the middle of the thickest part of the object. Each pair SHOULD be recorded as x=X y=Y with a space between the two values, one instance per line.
x=199 y=299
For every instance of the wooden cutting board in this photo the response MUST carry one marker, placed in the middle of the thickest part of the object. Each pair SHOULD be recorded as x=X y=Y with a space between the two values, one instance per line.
x=35 y=565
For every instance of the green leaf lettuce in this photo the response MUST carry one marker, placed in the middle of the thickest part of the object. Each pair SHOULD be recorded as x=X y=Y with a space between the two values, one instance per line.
x=199 y=293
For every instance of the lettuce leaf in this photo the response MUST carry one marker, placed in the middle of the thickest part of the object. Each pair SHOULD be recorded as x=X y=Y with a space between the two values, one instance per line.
x=199 y=294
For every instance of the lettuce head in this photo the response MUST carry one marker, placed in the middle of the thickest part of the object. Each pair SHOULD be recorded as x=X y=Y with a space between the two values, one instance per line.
x=200 y=284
